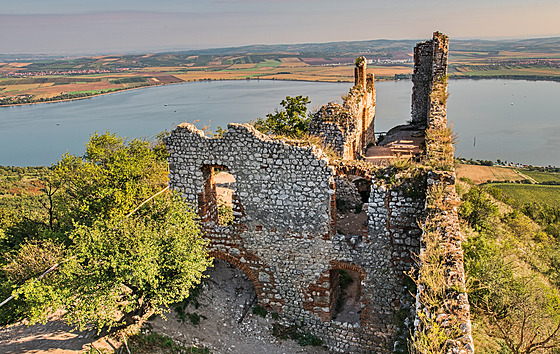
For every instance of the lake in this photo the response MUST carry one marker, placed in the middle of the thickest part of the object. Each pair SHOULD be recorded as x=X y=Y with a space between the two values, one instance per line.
x=511 y=120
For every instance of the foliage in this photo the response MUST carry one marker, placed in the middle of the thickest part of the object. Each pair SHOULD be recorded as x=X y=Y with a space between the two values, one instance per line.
x=538 y=202
x=512 y=281
x=477 y=208
x=123 y=265
x=225 y=213
x=521 y=193
x=439 y=148
x=296 y=333
x=439 y=93
x=110 y=180
x=439 y=294
x=122 y=250
x=291 y=121
x=180 y=308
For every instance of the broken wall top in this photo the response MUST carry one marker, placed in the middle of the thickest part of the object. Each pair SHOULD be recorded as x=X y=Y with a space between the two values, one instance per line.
x=280 y=185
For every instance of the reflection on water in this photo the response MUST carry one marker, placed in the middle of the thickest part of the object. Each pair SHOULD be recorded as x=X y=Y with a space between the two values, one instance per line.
x=511 y=120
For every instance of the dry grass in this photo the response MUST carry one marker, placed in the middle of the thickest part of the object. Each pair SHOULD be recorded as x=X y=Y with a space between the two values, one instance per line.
x=18 y=65
x=482 y=174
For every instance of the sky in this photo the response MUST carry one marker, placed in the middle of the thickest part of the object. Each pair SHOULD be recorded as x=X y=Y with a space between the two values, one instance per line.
x=123 y=26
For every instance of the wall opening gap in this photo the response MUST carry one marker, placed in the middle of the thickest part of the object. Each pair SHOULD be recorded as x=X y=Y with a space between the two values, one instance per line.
x=345 y=295
x=217 y=202
x=364 y=188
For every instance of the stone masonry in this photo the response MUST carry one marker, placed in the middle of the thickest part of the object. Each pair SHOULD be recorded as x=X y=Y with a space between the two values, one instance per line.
x=348 y=128
x=284 y=233
x=430 y=68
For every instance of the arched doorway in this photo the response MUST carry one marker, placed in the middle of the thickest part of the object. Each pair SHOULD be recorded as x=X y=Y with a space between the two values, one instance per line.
x=346 y=304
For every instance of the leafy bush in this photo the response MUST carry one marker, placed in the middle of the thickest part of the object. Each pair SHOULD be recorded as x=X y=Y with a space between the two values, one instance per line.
x=120 y=243
x=477 y=208
x=291 y=121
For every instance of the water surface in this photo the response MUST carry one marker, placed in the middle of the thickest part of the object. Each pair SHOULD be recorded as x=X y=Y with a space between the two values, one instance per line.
x=510 y=120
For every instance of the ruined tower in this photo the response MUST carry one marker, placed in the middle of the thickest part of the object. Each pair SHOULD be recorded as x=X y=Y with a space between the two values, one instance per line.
x=349 y=128
x=429 y=90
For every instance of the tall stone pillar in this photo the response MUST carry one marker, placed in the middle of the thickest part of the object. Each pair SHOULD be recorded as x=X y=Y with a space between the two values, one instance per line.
x=430 y=67
x=360 y=72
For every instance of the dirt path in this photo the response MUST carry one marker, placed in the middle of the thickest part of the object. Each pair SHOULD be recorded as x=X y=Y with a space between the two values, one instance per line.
x=52 y=337
x=226 y=295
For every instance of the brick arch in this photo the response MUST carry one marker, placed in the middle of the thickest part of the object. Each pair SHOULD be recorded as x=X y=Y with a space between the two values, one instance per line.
x=242 y=266
x=348 y=266
x=251 y=269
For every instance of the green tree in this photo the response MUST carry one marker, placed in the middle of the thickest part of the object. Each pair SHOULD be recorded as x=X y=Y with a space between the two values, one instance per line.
x=121 y=244
x=291 y=121
x=511 y=275
x=110 y=180
x=521 y=311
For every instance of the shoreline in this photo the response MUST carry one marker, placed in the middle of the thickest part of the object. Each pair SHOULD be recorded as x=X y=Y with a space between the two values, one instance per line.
x=452 y=77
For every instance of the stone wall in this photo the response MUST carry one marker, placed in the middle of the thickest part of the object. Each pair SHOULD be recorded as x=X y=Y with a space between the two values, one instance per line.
x=442 y=221
x=283 y=235
x=430 y=68
x=349 y=128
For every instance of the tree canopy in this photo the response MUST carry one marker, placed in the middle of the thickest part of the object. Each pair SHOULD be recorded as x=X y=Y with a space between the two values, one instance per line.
x=116 y=253
x=291 y=121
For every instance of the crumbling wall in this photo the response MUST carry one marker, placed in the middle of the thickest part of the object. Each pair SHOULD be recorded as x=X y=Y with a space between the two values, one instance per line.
x=441 y=224
x=349 y=128
x=283 y=236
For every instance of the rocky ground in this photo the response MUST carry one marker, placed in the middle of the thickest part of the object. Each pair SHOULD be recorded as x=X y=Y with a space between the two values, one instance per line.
x=227 y=324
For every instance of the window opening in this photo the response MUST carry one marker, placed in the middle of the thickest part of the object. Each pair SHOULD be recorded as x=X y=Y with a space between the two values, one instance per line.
x=219 y=193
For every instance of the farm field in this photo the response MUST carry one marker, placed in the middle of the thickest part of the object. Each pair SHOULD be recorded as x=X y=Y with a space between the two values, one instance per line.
x=461 y=71
x=61 y=87
x=530 y=193
x=543 y=177
x=482 y=174
x=26 y=81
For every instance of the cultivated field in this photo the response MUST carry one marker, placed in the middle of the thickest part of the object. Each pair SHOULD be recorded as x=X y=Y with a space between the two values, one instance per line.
x=543 y=177
x=530 y=193
x=54 y=80
x=482 y=174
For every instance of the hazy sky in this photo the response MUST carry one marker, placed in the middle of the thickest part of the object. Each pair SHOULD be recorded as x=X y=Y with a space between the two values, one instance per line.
x=113 y=26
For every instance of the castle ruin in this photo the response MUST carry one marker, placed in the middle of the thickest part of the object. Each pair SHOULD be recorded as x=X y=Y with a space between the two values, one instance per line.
x=290 y=233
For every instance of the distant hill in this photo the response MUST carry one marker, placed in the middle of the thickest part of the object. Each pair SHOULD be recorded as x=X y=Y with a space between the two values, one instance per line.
x=338 y=48
x=542 y=45
x=395 y=49
x=534 y=45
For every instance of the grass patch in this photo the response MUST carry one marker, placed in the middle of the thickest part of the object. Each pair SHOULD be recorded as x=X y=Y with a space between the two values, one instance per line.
x=526 y=193
x=268 y=64
x=543 y=177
